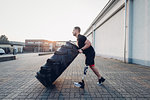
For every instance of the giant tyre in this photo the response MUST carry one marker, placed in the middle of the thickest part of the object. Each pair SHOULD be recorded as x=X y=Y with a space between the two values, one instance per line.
x=56 y=65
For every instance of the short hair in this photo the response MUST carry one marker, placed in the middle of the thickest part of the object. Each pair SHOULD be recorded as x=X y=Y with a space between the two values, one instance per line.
x=78 y=28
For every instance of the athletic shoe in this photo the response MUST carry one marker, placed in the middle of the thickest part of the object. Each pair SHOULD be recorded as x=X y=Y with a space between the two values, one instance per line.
x=79 y=84
x=100 y=81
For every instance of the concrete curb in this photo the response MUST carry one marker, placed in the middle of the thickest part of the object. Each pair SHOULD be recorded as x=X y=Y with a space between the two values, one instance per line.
x=46 y=53
x=7 y=58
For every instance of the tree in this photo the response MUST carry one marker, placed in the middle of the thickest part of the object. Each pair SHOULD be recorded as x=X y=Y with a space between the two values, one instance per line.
x=3 y=39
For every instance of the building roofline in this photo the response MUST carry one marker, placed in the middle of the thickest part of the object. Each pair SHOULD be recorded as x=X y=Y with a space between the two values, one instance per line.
x=37 y=39
x=65 y=41
x=99 y=15
x=49 y=40
x=13 y=43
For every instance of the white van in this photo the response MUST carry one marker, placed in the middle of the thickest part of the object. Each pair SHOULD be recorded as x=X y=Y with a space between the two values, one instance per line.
x=2 y=51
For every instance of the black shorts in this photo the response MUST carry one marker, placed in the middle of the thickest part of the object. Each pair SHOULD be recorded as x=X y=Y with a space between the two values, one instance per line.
x=90 y=59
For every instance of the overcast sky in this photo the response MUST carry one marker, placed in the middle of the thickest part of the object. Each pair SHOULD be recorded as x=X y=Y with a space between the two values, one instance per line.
x=46 y=19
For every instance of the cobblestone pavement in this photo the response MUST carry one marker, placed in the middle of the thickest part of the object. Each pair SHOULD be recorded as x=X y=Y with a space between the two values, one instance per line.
x=123 y=81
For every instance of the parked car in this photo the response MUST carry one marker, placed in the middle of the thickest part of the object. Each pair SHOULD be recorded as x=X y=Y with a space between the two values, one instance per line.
x=2 y=51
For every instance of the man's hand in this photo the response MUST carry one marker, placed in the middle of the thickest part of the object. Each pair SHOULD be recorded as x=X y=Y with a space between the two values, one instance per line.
x=80 y=51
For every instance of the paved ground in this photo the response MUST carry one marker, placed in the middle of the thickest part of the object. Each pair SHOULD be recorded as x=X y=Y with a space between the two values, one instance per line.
x=123 y=81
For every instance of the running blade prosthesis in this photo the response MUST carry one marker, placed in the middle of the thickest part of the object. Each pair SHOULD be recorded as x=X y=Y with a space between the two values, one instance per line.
x=81 y=84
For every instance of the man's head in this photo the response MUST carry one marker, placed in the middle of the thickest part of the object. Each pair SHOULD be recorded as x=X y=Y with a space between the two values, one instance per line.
x=76 y=31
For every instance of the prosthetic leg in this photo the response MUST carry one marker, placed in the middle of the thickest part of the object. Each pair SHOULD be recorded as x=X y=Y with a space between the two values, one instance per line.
x=82 y=84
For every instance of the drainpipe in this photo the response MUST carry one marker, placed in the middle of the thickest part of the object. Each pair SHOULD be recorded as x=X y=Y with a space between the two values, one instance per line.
x=125 y=31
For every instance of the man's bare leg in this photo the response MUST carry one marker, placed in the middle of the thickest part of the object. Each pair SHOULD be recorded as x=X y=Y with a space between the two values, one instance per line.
x=95 y=70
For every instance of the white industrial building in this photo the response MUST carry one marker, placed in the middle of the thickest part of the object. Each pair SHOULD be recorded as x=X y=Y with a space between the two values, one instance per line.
x=122 y=31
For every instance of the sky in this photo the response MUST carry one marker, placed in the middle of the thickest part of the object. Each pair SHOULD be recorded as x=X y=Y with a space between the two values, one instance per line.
x=46 y=19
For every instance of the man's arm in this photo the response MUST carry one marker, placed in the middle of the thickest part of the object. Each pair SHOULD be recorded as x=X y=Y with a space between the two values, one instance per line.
x=87 y=45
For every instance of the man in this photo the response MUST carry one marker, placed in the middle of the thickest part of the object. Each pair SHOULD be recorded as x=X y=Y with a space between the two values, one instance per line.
x=86 y=48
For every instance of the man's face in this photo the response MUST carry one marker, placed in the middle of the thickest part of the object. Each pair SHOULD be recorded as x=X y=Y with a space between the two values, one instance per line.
x=75 y=31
